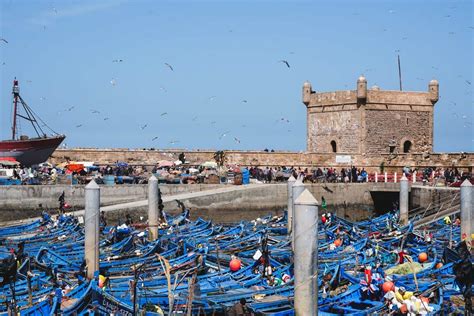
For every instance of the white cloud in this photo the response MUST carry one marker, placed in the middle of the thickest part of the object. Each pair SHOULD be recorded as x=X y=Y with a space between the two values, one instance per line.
x=53 y=13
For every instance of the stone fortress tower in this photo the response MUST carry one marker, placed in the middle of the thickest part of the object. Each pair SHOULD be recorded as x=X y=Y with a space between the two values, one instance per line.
x=370 y=121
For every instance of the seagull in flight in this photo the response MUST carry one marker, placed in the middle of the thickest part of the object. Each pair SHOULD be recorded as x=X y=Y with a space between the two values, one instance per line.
x=78 y=125
x=143 y=127
x=244 y=101
x=224 y=134
x=69 y=109
x=163 y=89
x=212 y=98
x=237 y=140
x=169 y=66
x=117 y=60
x=113 y=82
x=164 y=113
x=95 y=111
x=4 y=40
x=154 y=138
x=174 y=142
x=106 y=118
x=285 y=62
x=468 y=82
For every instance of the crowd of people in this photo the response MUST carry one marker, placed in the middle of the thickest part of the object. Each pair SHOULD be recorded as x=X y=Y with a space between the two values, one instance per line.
x=187 y=173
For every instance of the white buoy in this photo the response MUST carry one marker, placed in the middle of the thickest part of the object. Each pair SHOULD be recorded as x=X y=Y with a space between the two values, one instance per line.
x=91 y=228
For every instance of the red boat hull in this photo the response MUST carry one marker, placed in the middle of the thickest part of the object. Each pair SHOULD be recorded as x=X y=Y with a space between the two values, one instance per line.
x=31 y=151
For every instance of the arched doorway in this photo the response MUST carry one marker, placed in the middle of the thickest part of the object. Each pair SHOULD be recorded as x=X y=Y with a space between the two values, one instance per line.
x=334 y=146
x=407 y=146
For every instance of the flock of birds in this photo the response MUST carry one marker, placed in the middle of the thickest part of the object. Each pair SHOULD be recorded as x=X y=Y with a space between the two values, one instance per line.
x=467 y=121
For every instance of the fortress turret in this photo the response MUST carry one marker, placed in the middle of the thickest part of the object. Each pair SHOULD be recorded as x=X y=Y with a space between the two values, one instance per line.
x=361 y=89
x=433 y=89
x=307 y=92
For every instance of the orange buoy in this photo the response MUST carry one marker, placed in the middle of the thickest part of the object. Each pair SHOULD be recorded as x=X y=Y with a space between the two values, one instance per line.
x=439 y=265
x=337 y=242
x=388 y=286
x=422 y=257
x=404 y=309
x=235 y=265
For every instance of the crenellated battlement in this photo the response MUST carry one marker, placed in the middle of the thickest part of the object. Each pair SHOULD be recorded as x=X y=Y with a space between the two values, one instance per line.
x=370 y=120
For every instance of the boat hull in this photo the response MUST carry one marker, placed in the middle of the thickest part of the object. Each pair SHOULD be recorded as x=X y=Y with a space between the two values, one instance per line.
x=31 y=151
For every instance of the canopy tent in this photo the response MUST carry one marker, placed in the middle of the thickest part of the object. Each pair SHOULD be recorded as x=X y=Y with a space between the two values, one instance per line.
x=8 y=161
x=165 y=163
x=209 y=164
x=75 y=167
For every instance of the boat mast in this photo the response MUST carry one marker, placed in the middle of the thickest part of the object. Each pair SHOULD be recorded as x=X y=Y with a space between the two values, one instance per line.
x=16 y=93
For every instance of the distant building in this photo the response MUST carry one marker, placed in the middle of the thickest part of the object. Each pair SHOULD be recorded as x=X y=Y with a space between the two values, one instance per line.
x=370 y=121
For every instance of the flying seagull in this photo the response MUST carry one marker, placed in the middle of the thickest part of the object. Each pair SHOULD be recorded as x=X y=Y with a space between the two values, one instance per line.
x=4 y=40
x=78 y=125
x=106 y=118
x=174 y=142
x=237 y=140
x=117 y=60
x=144 y=126
x=164 y=113
x=224 y=134
x=170 y=67
x=113 y=82
x=285 y=62
x=244 y=101
x=95 y=111
x=154 y=138
x=468 y=82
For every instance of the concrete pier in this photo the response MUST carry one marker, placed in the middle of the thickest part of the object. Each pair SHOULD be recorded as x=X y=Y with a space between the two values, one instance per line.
x=305 y=254
x=297 y=189
x=403 y=203
x=91 y=228
x=153 y=210
x=289 y=184
x=467 y=211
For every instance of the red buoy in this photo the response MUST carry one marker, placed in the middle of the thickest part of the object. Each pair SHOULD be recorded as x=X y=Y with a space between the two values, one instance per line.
x=388 y=286
x=422 y=257
x=235 y=265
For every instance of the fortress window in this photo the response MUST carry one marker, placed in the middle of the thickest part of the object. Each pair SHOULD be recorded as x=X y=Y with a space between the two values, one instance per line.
x=334 y=146
x=407 y=146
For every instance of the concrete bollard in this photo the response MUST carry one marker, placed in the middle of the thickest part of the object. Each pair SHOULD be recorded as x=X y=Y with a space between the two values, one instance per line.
x=376 y=177
x=467 y=210
x=297 y=189
x=305 y=254
x=153 y=210
x=91 y=228
x=289 y=184
x=414 y=177
x=395 y=177
x=403 y=203
x=385 y=177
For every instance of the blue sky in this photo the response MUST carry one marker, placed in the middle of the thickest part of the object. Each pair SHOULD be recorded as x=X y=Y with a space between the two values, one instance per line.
x=222 y=53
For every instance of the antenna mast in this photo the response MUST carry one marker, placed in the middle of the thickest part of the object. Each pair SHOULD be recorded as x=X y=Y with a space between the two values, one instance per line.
x=16 y=93
x=399 y=72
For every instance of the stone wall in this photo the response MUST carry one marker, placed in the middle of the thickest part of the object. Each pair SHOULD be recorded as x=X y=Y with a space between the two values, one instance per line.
x=386 y=126
x=393 y=163
x=366 y=121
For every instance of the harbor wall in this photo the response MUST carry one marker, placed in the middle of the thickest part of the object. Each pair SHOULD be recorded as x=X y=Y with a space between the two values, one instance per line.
x=391 y=162
x=354 y=201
